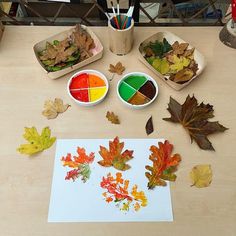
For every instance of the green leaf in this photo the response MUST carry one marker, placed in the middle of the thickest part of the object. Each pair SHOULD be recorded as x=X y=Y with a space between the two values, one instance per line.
x=160 y=48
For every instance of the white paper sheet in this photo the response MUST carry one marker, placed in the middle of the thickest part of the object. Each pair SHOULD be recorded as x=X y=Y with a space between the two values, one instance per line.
x=83 y=202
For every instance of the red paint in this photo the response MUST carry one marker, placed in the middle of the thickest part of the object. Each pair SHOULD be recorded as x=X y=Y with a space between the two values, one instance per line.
x=81 y=95
x=80 y=81
x=234 y=10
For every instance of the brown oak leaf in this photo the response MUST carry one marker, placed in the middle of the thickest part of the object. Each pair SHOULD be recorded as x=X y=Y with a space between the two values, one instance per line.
x=194 y=118
x=179 y=48
x=118 y=68
x=164 y=165
x=114 y=119
x=114 y=156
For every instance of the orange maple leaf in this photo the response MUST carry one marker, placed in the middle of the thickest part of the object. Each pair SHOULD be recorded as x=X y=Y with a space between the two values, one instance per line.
x=114 y=156
x=164 y=165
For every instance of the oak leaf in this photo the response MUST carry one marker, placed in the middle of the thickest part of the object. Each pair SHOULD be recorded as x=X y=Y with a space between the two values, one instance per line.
x=164 y=165
x=114 y=119
x=201 y=176
x=52 y=109
x=37 y=143
x=194 y=118
x=118 y=68
x=114 y=156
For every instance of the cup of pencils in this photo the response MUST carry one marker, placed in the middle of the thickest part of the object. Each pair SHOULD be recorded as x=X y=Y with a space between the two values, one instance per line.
x=120 y=31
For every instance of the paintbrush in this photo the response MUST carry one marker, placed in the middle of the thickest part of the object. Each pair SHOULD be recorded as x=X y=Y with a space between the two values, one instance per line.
x=129 y=14
x=115 y=18
x=118 y=12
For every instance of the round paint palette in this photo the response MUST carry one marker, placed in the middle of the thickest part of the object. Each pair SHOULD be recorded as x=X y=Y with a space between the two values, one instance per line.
x=137 y=89
x=88 y=87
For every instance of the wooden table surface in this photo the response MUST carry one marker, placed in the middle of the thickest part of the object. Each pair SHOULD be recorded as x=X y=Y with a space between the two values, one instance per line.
x=25 y=183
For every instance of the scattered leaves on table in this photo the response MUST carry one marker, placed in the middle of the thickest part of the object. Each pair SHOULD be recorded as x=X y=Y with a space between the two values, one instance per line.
x=118 y=68
x=175 y=61
x=164 y=165
x=52 y=109
x=114 y=119
x=119 y=193
x=194 y=118
x=201 y=176
x=149 y=126
x=68 y=52
x=79 y=165
x=114 y=156
x=37 y=143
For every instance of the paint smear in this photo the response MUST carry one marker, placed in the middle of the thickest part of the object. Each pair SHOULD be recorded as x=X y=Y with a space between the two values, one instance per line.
x=97 y=93
x=125 y=91
x=148 y=89
x=135 y=81
x=95 y=81
x=79 y=82
x=138 y=99
x=81 y=95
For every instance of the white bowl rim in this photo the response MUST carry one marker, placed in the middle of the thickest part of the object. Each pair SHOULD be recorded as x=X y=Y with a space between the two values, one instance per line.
x=88 y=71
x=137 y=73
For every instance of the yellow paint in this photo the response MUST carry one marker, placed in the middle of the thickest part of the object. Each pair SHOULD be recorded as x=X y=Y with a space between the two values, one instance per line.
x=96 y=93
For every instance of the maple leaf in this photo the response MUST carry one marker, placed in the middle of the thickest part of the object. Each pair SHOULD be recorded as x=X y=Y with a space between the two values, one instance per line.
x=118 y=68
x=164 y=165
x=114 y=156
x=37 y=143
x=112 y=118
x=201 y=176
x=194 y=118
x=52 y=109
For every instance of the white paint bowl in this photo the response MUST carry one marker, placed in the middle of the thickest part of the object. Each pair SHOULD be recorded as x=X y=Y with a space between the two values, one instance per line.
x=93 y=72
x=149 y=78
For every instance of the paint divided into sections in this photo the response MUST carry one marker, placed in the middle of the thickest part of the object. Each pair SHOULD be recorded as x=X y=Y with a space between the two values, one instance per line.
x=87 y=87
x=137 y=90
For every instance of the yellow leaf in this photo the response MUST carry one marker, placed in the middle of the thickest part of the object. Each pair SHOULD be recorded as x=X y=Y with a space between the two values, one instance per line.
x=201 y=176
x=161 y=65
x=37 y=143
x=179 y=63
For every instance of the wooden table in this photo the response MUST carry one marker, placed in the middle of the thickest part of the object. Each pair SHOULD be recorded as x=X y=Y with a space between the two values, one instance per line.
x=25 y=182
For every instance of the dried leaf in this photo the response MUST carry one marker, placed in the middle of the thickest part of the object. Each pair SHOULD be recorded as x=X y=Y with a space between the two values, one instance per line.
x=37 y=143
x=164 y=165
x=201 y=176
x=182 y=76
x=114 y=156
x=161 y=65
x=114 y=119
x=52 y=109
x=179 y=48
x=149 y=126
x=194 y=118
x=179 y=63
x=118 y=68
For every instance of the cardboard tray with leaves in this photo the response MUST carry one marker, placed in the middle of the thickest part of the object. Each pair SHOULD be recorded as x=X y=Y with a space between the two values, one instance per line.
x=97 y=52
x=171 y=38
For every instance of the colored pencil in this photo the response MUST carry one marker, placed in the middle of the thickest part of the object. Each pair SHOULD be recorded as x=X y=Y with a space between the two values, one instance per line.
x=115 y=18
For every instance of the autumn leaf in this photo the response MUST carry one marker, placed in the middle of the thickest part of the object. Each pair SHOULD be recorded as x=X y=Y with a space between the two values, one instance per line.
x=201 y=176
x=182 y=76
x=164 y=165
x=179 y=63
x=37 y=143
x=161 y=65
x=194 y=118
x=52 y=109
x=118 y=68
x=112 y=117
x=114 y=156
x=149 y=126
x=179 y=48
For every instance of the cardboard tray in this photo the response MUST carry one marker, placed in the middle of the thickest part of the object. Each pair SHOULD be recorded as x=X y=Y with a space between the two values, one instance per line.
x=171 y=38
x=1 y=29
x=97 y=52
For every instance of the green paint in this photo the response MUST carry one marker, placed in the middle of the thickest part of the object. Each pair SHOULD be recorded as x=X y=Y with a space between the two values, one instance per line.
x=125 y=91
x=136 y=81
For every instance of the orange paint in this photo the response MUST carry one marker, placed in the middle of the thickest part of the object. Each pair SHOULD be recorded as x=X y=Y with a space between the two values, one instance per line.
x=95 y=81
